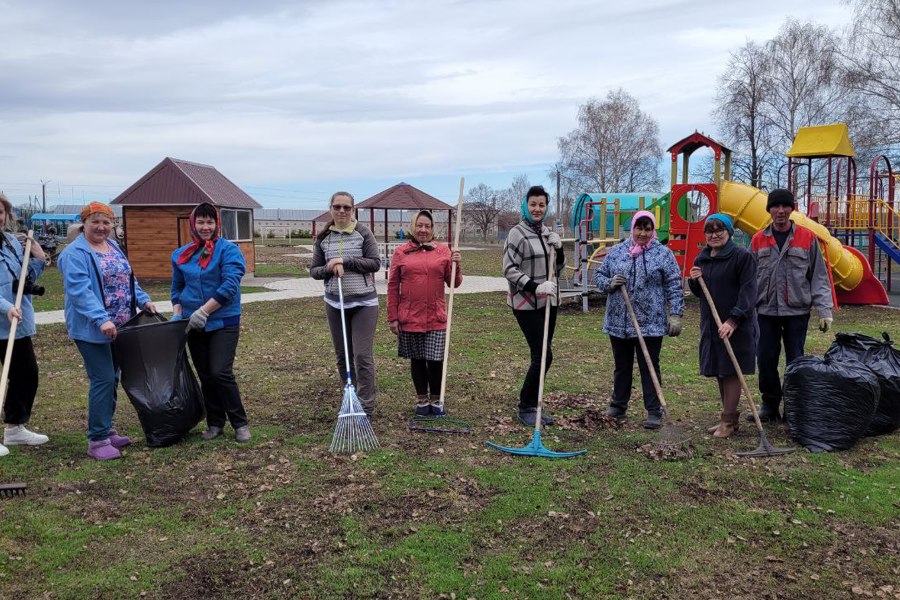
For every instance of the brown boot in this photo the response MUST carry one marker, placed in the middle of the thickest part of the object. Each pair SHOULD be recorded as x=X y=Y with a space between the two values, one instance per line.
x=730 y=423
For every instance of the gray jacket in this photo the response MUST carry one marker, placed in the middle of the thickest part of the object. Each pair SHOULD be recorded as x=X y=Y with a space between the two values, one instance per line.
x=794 y=279
x=361 y=260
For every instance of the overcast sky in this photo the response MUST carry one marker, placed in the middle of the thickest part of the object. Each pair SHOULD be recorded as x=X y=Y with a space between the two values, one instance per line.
x=293 y=100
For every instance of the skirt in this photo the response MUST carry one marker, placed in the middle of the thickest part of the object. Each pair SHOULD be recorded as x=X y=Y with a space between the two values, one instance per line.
x=427 y=345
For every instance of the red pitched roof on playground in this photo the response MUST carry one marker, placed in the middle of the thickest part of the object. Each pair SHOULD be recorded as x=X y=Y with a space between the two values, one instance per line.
x=180 y=182
x=695 y=141
x=404 y=196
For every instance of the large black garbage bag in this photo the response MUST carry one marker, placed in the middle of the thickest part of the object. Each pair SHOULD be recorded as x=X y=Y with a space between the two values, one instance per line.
x=884 y=359
x=158 y=378
x=829 y=403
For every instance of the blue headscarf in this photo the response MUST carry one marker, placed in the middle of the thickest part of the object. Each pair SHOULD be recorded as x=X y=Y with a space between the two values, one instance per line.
x=725 y=220
x=526 y=216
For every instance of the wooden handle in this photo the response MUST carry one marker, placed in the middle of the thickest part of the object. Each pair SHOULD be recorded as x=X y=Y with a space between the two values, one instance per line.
x=643 y=344
x=459 y=205
x=14 y=324
x=734 y=360
x=551 y=275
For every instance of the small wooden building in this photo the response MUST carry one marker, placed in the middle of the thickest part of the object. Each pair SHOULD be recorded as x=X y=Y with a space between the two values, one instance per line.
x=156 y=211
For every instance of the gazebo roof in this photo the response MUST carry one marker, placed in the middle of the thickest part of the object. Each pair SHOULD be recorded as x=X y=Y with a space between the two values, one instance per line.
x=404 y=196
x=822 y=141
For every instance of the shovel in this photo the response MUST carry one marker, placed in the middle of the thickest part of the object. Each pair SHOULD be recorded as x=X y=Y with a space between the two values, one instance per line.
x=764 y=448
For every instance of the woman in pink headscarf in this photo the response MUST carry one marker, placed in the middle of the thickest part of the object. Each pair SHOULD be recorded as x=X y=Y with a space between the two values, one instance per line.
x=648 y=270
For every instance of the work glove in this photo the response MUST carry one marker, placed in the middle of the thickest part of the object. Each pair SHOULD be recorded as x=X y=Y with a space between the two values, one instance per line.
x=554 y=240
x=198 y=320
x=825 y=324
x=674 y=329
x=548 y=288
x=616 y=282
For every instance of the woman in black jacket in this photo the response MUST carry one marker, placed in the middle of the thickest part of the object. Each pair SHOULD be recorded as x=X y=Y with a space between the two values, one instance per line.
x=730 y=274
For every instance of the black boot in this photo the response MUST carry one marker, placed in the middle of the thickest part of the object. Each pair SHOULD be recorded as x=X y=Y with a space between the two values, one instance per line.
x=768 y=412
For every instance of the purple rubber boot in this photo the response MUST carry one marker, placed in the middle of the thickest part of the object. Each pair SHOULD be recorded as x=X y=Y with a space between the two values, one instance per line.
x=102 y=450
x=118 y=441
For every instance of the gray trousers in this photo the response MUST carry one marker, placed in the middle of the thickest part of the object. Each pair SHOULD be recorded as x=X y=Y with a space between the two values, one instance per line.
x=361 y=323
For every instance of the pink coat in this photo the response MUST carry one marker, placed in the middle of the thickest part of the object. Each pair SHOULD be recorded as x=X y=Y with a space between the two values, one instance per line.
x=416 y=287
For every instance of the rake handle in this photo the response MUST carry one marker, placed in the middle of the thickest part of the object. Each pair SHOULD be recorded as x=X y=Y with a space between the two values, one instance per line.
x=14 y=324
x=550 y=277
x=459 y=204
x=344 y=330
x=734 y=360
x=643 y=344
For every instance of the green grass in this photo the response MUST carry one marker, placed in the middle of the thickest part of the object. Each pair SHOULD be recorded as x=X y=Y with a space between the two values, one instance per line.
x=431 y=515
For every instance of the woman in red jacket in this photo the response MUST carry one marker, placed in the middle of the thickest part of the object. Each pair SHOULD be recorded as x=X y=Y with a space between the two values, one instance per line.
x=416 y=310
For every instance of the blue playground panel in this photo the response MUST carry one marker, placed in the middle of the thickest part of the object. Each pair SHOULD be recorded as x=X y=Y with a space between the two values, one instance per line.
x=628 y=203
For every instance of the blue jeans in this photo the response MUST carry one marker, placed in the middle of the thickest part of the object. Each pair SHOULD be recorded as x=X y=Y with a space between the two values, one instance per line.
x=103 y=373
x=772 y=332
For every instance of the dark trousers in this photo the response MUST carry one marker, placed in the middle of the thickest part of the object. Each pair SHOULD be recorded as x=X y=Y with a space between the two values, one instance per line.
x=213 y=355
x=772 y=332
x=426 y=376
x=361 y=322
x=23 y=381
x=624 y=350
x=531 y=322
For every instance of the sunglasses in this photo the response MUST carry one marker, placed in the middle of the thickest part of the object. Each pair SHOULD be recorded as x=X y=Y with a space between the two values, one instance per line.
x=341 y=207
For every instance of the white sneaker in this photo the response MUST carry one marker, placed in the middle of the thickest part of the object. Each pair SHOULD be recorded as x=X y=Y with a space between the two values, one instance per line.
x=20 y=436
x=3 y=450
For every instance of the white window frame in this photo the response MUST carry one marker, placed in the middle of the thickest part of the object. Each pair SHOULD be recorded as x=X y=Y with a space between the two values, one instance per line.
x=231 y=214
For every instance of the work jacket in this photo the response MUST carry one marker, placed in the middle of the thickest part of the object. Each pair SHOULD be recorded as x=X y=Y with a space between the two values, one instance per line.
x=416 y=283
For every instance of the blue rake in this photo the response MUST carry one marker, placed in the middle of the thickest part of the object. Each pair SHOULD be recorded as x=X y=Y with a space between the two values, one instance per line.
x=536 y=447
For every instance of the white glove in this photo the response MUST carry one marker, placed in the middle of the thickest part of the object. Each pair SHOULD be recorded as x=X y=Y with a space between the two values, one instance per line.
x=548 y=288
x=554 y=240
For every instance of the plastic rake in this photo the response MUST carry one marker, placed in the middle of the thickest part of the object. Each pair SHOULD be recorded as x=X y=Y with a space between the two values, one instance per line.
x=536 y=447
x=765 y=448
x=354 y=429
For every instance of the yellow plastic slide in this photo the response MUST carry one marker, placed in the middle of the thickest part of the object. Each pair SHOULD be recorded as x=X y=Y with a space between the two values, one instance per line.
x=747 y=206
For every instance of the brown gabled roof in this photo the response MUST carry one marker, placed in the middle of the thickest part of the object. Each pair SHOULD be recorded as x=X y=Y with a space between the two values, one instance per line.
x=179 y=182
x=404 y=196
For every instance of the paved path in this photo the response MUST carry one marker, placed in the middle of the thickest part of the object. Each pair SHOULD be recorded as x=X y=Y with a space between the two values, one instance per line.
x=287 y=289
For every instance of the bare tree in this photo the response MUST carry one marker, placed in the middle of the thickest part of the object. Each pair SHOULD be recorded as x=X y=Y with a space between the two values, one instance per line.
x=615 y=147
x=805 y=86
x=740 y=112
x=872 y=61
x=483 y=205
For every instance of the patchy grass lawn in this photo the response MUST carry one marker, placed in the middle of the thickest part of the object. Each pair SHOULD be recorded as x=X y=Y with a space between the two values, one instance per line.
x=432 y=515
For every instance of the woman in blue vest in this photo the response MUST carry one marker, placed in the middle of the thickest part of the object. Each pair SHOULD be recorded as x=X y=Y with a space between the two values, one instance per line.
x=23 y=373
x=101 y=295
x=206 y=290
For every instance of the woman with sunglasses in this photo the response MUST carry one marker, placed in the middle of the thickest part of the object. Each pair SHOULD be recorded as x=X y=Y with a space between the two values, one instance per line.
x=348 y=251
x=730 y=274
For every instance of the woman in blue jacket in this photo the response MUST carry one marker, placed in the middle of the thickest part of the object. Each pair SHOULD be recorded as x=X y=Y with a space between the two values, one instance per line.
x=206 y=289
x=648 y=270
x=101 y=295
x=23 y=373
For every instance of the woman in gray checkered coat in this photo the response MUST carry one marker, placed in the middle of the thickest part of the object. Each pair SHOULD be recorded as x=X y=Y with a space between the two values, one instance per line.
x=526 y=264
x=416 y=309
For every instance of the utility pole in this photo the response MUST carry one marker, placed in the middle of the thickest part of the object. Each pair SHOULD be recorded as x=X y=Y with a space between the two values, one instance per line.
x=559 y=217
x=44 y=195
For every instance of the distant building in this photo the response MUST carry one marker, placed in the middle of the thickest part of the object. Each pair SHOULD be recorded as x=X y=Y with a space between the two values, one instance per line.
x=282 y=222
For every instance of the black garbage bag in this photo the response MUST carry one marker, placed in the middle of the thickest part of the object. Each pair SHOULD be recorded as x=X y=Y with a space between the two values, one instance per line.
x=884 y=359
x=829 y=403
x=158 y=378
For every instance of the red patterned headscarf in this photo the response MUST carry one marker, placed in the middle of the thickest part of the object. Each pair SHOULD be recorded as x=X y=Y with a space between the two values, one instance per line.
x=207 y=247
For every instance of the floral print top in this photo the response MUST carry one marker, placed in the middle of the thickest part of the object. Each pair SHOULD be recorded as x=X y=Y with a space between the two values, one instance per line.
x=116 y=286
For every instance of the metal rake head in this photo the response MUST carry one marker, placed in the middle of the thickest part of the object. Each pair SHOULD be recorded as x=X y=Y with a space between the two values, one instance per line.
x=8 y=490
x=353 y=432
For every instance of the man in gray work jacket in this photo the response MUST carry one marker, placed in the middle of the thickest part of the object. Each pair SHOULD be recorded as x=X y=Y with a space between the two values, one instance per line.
x=792 y=278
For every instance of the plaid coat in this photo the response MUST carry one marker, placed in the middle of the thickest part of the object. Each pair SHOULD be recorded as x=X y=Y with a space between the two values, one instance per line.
x=525 y=257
